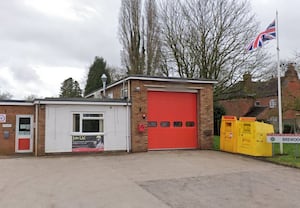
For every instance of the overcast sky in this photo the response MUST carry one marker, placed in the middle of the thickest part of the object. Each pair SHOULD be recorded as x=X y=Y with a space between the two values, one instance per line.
x=44 y=42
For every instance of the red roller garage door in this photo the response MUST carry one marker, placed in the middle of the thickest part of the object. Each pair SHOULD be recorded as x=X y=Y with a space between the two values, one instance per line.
x=172 y=120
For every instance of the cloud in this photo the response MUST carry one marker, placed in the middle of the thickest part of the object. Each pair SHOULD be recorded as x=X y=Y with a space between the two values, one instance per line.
x=24 y=73
x=41 y=35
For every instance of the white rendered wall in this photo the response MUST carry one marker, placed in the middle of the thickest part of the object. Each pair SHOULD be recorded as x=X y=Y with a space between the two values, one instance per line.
x=58 y=135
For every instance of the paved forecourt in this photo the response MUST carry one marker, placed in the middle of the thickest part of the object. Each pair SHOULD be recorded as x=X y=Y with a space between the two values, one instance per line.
x=152 y=179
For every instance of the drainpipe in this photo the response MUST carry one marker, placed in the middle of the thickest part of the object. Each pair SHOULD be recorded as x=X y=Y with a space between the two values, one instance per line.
x=127 y=136
x=37 y=106
x=126 y=126
x=128 y=117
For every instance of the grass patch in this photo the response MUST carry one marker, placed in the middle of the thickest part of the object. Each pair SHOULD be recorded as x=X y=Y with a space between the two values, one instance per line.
x=290 y=156
x=216 y=143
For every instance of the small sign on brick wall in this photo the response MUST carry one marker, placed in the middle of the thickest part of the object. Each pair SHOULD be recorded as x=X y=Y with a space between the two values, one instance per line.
x=2 y=118
x=6 y=125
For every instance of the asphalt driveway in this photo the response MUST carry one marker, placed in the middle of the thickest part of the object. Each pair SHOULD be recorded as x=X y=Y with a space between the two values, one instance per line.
x=153 y=179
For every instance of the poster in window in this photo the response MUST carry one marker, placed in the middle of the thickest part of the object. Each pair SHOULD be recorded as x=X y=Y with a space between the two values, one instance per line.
x=88 y=143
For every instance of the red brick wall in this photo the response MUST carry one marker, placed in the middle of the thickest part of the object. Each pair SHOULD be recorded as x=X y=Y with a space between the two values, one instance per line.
x=116 y=91
x=139 y=140
x=291 y=99
x=138 y=93
x=7 y=146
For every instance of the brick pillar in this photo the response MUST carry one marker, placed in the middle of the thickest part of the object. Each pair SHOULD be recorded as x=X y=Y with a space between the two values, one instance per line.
x=41 y=130
x=139 y=140
x=205 y=118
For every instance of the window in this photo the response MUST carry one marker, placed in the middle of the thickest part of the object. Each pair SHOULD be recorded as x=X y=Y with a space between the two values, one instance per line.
x=272 y=103
x=257 y=103
x=91 y=126
x=24 y=126
x=123 y=93
x=152 y=124
x=190 y=124
x=110 y=95
x=177 y=123
x=165 y=124
x=88 y=123
x=86 y=115
x=273 y=119
x=76 y=122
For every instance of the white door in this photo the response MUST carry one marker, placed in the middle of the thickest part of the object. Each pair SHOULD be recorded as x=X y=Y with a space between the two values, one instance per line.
x=24 y=133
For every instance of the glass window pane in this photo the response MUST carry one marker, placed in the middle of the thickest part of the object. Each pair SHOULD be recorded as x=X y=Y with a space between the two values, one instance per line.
x=24 y=124
x=165 y=124
x=177 y=123
x=101 y=125
x=76 y=122
x=190 y=124
x=91 y=125
x=92 y=115
x=24 y=121
x=152 y=124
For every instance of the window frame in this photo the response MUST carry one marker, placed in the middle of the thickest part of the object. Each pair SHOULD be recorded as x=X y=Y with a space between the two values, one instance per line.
x=81 y=114
x=273 y=103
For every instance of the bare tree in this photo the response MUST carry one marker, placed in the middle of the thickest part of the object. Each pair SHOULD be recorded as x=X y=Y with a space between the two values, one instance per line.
x=115 y=73
x=207 y=39
x=5 y=96
x=130 y=34
x=172 y=36
x=139 y=36
x=152 y=38
x=30 y=97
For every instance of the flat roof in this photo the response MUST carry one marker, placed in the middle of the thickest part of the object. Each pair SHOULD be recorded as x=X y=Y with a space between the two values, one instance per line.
x=158 y=79
x=81 y=101
x=16 y=102
x=66 y=101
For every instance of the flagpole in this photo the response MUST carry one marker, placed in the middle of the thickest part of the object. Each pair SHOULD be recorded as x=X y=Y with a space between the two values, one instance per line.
x=279 y=85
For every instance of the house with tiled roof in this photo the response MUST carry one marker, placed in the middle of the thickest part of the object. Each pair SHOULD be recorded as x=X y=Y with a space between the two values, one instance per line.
x=259 y=98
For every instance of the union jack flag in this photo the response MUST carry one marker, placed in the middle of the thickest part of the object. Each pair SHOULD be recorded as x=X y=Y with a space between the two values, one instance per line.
x=268 y=34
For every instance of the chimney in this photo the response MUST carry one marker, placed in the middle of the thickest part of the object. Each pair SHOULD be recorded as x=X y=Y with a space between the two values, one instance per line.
x=247 y=77
x=247 y=81
x=291 y=74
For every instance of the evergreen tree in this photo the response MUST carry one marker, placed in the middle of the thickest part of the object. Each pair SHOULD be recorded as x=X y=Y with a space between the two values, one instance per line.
x=70 y=88
x=96 y=70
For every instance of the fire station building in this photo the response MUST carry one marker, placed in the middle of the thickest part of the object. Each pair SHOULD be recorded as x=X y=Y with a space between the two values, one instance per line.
x=134 y=114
